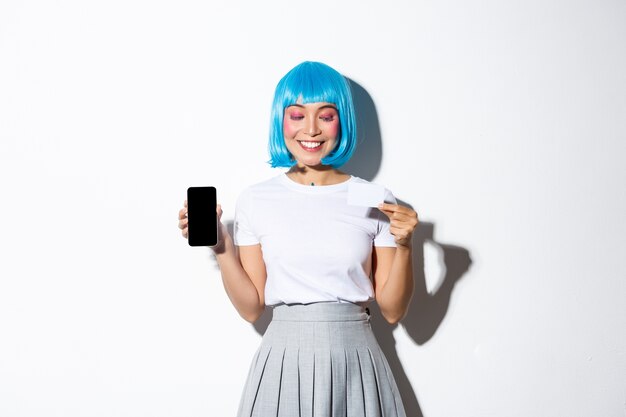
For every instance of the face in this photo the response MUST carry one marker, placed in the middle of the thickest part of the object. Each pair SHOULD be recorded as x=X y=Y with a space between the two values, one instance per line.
x=311 y=131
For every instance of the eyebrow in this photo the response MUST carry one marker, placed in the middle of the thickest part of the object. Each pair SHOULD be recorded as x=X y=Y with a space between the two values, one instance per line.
x=325 y=106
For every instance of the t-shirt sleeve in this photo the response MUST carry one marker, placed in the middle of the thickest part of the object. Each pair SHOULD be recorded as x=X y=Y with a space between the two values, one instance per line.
x=243 y=229
x=384 y=236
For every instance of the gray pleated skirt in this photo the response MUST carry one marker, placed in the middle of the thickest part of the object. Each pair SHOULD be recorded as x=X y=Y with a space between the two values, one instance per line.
x=320 y=360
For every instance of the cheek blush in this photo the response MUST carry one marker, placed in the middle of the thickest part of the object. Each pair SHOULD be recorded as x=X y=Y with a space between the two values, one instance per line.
x=333 y=129
x=288 y=129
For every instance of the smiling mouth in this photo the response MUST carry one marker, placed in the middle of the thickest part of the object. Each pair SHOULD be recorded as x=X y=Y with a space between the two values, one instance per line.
x=311 y=146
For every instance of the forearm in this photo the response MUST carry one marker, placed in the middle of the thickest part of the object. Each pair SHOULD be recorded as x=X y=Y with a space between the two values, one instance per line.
x=239 y=288
x=395 y=296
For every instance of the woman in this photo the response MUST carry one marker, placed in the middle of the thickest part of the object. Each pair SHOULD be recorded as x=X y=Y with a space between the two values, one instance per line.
x=299 y=247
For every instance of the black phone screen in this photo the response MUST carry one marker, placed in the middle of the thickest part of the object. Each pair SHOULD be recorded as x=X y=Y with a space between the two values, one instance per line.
x=201 y=216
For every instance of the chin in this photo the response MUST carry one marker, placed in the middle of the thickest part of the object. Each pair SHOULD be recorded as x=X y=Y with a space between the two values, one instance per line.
x=310 y=161
x=311 y=164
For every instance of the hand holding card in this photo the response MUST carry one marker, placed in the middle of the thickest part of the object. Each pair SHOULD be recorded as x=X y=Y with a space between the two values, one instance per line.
x=403 y=221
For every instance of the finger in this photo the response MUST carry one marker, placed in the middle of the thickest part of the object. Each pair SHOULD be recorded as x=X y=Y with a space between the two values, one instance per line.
x=400 y=218
x=390 y=207
x=219 y=211
x=183 y=223
x=395 y=208
x=399 y=231
x=185 y=203
x=387 y=213
x=408 y=226
x=396 y=215
x=182 y=213
x=399 y=234
x=408 y=218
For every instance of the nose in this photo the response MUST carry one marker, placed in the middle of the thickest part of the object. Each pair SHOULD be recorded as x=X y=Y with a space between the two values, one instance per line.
x=312 y=129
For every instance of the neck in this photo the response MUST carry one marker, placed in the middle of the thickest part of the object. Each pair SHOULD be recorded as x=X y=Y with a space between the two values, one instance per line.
x=316 y=176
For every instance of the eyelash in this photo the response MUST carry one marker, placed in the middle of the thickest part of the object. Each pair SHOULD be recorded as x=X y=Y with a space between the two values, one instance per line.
x=326 y=119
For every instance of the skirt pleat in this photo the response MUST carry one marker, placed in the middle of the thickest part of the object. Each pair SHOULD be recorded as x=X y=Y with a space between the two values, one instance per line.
x=322 y=389
x=266 y=403
x=338 y=397
x=385 y=387
x=397 y=400
x=320 y=360
x=253 y=383
x=354 y=385
x=306 y=370
x=289 y=404
x=368 y=384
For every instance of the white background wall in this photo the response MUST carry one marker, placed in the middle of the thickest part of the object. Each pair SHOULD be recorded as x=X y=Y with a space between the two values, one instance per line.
x=502 y=122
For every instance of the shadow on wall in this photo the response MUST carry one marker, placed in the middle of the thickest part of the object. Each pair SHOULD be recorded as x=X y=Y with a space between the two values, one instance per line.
x=368 y=155
x=427 y=310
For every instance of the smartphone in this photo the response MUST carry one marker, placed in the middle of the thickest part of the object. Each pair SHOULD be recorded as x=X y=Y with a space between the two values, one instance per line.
x=202 y=216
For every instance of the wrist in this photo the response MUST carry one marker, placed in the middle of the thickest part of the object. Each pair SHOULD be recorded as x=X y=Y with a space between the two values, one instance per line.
x=403 y=247
x=224 y=247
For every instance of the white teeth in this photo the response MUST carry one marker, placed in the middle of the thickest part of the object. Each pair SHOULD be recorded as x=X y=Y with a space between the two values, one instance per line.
x=311 y=144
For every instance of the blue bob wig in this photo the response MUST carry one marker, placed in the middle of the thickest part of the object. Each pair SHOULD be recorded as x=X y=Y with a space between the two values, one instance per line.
x=313 y=82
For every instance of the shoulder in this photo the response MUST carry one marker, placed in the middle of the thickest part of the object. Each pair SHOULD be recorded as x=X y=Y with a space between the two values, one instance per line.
x=264 y=185
x=250 y=192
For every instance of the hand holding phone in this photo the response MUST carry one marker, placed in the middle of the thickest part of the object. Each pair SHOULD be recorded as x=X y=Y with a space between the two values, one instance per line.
x=202 y=221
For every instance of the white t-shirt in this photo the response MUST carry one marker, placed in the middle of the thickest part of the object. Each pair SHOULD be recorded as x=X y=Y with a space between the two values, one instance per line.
x=315 y=246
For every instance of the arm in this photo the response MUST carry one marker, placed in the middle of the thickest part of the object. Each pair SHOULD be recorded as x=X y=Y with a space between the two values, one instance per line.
x=393 y=281
x=243 y=272
x=392 y=267
x=243 y=276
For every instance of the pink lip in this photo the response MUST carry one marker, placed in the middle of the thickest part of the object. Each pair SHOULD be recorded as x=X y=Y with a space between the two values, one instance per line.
x=317 y=148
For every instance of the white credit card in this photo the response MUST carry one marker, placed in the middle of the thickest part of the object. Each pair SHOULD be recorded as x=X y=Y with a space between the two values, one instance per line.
x=366 y=195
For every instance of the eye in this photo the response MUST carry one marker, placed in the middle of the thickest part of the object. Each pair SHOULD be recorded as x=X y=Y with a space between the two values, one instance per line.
x=327 y=117
x=296 y=116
